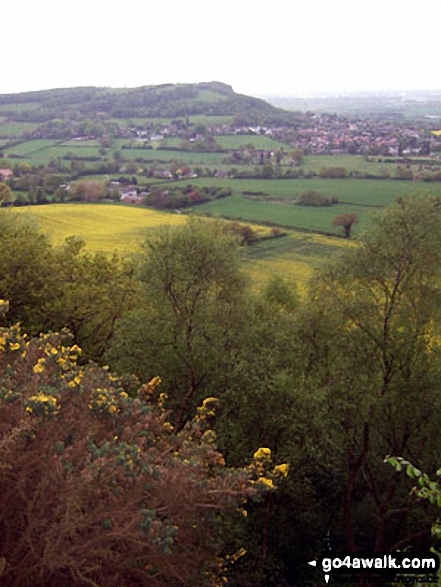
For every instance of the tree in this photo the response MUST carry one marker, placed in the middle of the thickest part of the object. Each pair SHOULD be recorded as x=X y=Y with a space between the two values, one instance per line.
x=372 y=357
x=27 y=278
x=92 y=293
x=297 y=156
x=192 y=299
x=88 y=191
x=5 y=193
x=346 y=221
x=54 y=287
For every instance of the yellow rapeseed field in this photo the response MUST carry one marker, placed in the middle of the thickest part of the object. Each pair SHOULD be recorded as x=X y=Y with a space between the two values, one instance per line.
x=108 y=228
x=104 y=227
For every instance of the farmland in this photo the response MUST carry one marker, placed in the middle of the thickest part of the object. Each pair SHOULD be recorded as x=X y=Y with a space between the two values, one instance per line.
x=206 y=136
x=274 y=200
x=121 y=228
x=105 y=228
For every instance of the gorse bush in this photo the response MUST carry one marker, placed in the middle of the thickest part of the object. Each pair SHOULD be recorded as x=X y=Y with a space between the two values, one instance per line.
x=96 y=487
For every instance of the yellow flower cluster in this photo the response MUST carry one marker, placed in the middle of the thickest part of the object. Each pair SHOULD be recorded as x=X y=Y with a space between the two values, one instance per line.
x=260 y=472
x=168 y=427
x=11 y=339
x=219 y=578
x=263 y=453
x=146 y=391
x=207 y=409
x=42 y=404
x=128 y=455
x=39 y=366
x=76 y=380
x=106 y=400
x=266 y=482
x=282 y=470
x=232 y=558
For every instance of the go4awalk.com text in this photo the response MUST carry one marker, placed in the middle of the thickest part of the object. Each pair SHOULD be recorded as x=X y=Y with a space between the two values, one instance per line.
x=380 y=565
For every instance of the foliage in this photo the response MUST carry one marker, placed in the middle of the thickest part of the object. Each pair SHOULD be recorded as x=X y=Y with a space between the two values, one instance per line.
x=314 y=198
x=54 y=287
x=346 y=221
x=88 y=191
x=244 y=232
x=334 y=172
x=177 y=197
x=370 y=332
x=5 y=193
x=192 y=288
x=96 y=487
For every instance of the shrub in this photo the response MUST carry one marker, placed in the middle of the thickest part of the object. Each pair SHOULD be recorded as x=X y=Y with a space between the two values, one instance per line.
x=314 y=198
x=96 y=487
x=334 y=172
x=244 y=232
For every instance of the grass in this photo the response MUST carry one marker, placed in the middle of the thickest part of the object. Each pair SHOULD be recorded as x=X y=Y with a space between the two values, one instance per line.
x=258 y=142
x=14 y=129
x=211 y=120
x=186 y=157
x=297 y=256
x=28 y=148
x=209 y=96
x=360 y=192
x=80 y=144
x=276 y=202
x=290 y=216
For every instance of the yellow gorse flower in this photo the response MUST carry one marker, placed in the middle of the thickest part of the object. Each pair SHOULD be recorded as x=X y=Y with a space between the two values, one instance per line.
x=267 y=482
x=42 y=404
x=263 y=453
x=282 y=469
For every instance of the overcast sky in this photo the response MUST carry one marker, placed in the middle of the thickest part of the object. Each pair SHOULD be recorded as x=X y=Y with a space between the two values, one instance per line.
x=257 y=46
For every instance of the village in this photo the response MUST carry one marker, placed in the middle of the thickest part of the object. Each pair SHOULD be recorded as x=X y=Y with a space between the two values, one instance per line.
x=315 y=134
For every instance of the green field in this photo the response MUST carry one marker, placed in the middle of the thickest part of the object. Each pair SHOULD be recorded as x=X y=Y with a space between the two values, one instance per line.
x=14 y=129
x=182 y=156
x=211 y=120
x=360 y=192
x=373 y=165
x=257 y=141
x=274 y=200
x=107 y=228
x=28 y=148
x=81 y=144
x=289 y=215
x=234 y=142
x=254 y=200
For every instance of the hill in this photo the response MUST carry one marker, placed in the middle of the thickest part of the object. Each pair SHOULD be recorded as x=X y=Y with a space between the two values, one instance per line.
x=164 y=101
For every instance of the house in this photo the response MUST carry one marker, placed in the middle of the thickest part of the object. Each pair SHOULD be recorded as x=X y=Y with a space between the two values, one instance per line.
x=133 y=198
x=132 y=195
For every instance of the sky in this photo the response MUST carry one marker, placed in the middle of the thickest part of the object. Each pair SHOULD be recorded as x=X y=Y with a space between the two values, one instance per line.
x=286 y=47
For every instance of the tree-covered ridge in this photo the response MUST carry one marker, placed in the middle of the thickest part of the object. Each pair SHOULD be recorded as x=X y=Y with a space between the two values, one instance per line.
x=168 y=100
